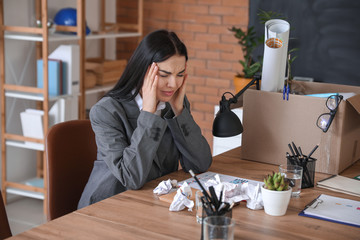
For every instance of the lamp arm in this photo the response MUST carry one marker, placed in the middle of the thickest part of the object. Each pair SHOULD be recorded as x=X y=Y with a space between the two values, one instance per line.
x=226 y=123
x=256 y=79
x=225 y=104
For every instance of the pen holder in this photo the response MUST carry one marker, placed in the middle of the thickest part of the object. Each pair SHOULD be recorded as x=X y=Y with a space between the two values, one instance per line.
x=207 y=211
x=308 y=165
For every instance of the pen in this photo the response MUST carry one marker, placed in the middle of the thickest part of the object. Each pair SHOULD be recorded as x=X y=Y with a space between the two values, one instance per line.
x=221 y=193
x=231 y=205
x=287 y=91
x=206 y=206
x=214 y=197
x=201 y=186
x=300 y=151
x=225 y=208
x=292 y=151
x=312 y=202
x=284 y=91
x=314 y=149
x=290 y=158
x=301 y=157
x=295 y=149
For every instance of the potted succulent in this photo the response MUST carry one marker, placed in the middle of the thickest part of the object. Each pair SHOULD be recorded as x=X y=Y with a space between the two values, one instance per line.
x=249 y=42
x=276 y=194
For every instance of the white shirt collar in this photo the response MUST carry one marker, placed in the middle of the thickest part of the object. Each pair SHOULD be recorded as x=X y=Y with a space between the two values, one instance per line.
x=139 y=102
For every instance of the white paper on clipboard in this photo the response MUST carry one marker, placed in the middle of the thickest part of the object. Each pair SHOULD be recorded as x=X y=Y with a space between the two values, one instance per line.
x=334 y=209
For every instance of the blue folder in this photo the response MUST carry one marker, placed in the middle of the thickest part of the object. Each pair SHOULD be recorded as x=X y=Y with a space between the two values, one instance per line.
x=56 y=74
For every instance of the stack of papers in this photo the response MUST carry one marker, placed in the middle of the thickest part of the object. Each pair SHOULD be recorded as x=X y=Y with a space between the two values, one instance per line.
x=334 y=209
x=206 y=176
x=341 y=184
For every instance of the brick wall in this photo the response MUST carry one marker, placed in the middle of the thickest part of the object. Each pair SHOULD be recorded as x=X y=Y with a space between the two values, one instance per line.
x=213 y=50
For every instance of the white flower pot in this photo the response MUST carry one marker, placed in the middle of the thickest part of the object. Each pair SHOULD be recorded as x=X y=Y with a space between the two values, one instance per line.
x=275 y=202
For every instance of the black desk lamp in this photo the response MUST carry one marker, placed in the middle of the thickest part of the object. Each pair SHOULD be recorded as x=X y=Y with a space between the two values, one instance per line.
x=226 y=123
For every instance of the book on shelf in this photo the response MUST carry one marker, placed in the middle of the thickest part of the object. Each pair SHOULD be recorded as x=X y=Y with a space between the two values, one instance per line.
x=63 y=109
x=32 y=125
x=56 y=74
x=70 y=56
x=32 y=119
x=36 y=182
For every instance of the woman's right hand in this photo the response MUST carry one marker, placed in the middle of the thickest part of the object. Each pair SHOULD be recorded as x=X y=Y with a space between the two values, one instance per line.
x=148 y=89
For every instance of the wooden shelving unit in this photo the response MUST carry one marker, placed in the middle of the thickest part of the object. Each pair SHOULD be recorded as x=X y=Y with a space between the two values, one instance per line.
x=32 y=93
x=40 y=95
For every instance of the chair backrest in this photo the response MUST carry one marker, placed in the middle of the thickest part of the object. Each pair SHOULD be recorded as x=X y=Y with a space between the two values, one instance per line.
x=5 y=231
x=70 y=152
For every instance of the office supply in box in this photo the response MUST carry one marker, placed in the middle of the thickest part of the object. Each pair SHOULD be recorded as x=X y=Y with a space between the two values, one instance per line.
x=334 y=209
x=342 y=184
x=299 y=158
x=277 y=33
x=271 y=123
x=212 y=206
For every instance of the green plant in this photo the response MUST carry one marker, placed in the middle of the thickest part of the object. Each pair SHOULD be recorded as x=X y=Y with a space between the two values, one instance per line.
x=264 y=16
x=249 y=42
x=276 y=182
x=290 y=61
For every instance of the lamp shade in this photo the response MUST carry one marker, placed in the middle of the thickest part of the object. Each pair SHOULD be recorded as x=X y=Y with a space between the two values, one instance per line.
x=227 y=124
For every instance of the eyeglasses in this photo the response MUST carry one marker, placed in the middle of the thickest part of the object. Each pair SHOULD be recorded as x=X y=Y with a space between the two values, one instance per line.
x=332 y=103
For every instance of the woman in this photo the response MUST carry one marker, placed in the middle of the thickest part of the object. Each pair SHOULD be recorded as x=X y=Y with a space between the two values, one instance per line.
x=143 y=126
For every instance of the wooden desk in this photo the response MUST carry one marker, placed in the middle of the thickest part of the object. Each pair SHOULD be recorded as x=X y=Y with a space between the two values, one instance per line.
x=141 y=215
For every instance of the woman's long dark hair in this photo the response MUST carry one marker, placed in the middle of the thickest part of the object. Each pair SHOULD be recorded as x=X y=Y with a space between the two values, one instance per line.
x=157 y=46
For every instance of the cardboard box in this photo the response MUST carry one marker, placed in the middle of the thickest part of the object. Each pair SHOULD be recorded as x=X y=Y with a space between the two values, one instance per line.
x=271 y=123
x=90 y=79
x=106 y=71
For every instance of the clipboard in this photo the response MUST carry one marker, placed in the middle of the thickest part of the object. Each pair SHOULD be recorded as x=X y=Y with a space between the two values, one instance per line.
x=333 y=209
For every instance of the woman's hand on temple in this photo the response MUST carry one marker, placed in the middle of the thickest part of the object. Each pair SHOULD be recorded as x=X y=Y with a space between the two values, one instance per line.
x=148 y=89
x=177 y=101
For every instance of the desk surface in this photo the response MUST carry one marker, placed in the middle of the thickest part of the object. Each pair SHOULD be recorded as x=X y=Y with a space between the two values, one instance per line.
x=141 y=215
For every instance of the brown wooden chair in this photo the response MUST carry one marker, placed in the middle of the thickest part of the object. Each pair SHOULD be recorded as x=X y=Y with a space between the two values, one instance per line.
x=70 y=152
x=5 y=231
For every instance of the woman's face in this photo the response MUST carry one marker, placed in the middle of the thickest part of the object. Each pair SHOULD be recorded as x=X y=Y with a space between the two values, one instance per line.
x=171 y=76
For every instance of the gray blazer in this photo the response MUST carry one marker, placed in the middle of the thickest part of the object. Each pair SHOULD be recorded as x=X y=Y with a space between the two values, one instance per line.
x=136 y=146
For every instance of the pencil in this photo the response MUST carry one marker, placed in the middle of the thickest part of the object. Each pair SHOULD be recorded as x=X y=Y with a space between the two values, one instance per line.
x=295 y=149
x=201 y=186
x=311 y=153
x=292 y=151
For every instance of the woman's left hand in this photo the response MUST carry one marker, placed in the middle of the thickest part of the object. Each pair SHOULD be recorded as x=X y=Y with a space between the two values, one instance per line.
x=177 y=101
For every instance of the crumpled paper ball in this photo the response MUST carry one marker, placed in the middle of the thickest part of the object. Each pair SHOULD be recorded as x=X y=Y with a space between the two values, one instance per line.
x=165 y=186
x=182 y=199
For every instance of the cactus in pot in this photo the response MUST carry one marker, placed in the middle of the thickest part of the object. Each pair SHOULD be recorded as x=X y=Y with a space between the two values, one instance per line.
x=276 y=182
x=276 y=194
